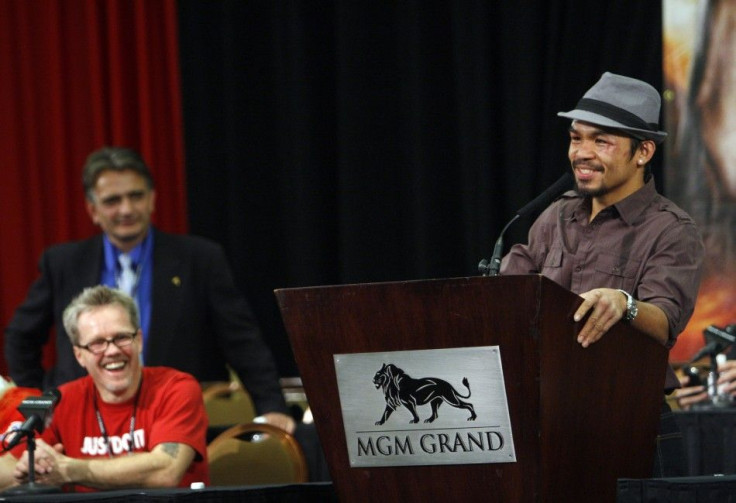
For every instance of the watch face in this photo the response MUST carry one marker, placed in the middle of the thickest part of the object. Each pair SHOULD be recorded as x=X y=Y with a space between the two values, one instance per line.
x=631 y=309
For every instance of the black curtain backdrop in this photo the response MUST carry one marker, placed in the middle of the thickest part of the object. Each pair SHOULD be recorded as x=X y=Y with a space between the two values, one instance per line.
x=343 y=142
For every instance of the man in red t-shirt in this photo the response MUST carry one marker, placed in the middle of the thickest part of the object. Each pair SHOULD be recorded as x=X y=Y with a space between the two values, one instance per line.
x=122 y=425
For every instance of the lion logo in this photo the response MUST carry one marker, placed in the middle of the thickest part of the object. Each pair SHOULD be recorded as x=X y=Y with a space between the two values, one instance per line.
x=399 y=388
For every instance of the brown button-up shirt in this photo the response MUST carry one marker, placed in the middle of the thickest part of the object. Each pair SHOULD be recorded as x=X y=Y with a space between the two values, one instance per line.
x=644 y=244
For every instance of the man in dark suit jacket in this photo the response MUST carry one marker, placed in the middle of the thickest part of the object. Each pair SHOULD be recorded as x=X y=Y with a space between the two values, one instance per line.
x=198 y=321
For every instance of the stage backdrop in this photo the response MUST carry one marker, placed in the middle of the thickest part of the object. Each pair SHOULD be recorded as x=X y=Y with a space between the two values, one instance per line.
x=78 y=75
x=326 y=141
x=341 y=142
x=700 y=92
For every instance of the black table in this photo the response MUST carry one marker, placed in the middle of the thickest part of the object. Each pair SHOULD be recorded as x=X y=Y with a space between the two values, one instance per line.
x=291 y=493
x=710 y=440
x=710 y=489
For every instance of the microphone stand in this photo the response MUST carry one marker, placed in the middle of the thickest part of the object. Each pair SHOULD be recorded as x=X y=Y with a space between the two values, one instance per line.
x=712 y=383
x=493 y=267
x=718 y=398
x=718 y=340
x=31 y=487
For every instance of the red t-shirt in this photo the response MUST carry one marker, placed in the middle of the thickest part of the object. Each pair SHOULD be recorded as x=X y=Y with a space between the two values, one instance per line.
x=169 y=409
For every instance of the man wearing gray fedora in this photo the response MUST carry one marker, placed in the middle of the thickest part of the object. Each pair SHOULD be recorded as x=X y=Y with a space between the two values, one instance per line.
x=629 y=252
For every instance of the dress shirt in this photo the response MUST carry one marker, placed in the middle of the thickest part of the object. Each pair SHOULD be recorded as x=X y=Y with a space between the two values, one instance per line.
x=644 y=244
x=142 y=261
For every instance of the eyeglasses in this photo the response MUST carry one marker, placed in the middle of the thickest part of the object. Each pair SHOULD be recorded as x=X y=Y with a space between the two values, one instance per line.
x=99 y=346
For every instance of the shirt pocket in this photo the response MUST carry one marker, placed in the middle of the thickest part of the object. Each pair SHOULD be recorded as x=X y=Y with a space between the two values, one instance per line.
x=553 y=260
x=616 y=271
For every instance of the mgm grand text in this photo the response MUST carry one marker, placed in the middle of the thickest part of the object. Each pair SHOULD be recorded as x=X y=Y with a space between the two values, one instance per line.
x=429 y=443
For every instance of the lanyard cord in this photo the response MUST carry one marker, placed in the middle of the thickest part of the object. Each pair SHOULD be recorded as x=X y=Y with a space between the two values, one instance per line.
x=101 y=423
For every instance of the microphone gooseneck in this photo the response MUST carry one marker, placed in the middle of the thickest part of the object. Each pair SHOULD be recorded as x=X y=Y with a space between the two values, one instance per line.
x=492 y=267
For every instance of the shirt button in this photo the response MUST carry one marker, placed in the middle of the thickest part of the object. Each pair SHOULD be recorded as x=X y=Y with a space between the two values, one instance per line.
x=578 y=269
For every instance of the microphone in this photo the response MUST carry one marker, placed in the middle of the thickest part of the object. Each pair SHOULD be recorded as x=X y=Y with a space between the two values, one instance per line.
x=719 y=340
x=543 y=200
x=712 y=348
x=725 y=336
x=38 y=411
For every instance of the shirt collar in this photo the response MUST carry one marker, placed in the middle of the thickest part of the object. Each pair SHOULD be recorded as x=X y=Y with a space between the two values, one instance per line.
x=629 y=208
x=632 y=207
x=137 y=254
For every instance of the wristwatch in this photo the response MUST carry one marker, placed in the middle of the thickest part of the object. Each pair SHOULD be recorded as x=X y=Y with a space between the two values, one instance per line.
x=632 y=309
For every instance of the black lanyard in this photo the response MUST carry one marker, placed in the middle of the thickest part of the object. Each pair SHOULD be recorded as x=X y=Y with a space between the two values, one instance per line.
x=103 y=430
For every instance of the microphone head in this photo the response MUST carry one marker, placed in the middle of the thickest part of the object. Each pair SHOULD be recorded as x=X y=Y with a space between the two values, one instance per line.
x=41 y=406
x=552 y=192
x=713 y=333
x=54 y=393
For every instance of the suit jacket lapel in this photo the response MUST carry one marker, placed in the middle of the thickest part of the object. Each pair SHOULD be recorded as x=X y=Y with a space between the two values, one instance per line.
x=165 y=296
x=87 y=267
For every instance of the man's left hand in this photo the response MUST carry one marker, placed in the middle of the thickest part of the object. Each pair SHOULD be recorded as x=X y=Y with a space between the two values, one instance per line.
x=280 y=420
x=608 y=306
x=48 y=465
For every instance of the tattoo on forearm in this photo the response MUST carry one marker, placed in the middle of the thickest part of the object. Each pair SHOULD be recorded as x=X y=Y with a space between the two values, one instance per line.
x=171 y=448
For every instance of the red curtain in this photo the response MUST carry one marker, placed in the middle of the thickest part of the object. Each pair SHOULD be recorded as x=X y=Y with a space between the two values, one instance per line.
x=78 y=75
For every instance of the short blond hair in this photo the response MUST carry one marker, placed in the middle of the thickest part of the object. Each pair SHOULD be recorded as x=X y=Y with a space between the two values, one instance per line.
x=92 y=298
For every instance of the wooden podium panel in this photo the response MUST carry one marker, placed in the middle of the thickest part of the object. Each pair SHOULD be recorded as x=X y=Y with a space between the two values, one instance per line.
x=581 y=417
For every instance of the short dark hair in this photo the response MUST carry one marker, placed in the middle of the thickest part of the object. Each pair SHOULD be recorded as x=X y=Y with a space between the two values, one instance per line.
x=116 y=159
x=635 y=144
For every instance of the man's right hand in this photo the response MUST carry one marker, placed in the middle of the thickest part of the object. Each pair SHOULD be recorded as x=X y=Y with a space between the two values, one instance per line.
x=727 y=377
x=687 y=396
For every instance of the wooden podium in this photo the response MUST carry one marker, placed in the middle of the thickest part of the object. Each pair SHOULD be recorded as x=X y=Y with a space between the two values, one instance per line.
x=581 y=417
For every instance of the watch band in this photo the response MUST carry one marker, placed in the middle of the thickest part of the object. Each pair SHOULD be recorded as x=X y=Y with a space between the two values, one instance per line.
x=632 y=309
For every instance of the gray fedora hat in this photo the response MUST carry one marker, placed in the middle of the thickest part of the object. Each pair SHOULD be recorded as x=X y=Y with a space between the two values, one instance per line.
x=622 y=103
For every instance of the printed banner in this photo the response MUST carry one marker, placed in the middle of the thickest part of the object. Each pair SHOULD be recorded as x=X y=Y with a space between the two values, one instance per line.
x=700 y=165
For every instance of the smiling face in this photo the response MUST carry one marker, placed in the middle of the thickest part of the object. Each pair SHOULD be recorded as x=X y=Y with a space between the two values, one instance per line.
x=122 y=205
x=603 y=164
x=116 y=371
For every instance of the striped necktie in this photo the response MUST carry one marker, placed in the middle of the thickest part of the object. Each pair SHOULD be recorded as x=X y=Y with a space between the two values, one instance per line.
x=128 y=277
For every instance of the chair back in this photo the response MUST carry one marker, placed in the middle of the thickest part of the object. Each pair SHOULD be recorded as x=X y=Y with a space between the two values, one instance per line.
x=228 y=404
x=255 y=454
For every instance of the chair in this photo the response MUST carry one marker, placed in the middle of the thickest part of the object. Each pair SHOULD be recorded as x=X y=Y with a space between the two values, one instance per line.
x=227 y=404
x=241 y=456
